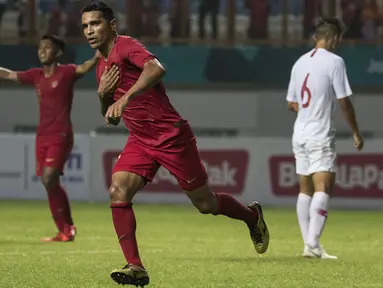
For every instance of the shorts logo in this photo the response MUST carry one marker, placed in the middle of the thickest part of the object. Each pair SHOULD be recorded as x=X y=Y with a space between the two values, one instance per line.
x=50 y=160
x=191 y=181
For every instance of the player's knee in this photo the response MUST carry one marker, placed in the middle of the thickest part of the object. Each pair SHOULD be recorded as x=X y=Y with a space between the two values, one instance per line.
x=49 y=180
x=124 y=186
x=115 y=192
x=120 y=193
x=324 y=181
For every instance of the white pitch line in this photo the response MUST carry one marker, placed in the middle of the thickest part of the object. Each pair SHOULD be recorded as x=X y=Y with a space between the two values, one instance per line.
x=75 y=252
x=87 y=238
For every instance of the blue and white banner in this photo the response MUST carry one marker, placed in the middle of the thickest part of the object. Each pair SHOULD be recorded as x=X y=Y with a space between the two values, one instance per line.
x=247 y=167
x=18 y=178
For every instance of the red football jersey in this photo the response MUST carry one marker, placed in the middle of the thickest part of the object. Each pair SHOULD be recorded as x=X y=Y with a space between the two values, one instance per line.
x=55 y=94
x=150 y=117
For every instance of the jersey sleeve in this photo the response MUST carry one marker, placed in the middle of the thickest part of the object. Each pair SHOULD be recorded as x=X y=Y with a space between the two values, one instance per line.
x=136 y=53
x=340 y=80
x=28 y=77
x=291 y=96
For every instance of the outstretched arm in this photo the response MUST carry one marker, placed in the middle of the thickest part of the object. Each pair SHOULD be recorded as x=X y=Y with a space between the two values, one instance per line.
x=88 y=65
x=26 y=77
x=7 y=74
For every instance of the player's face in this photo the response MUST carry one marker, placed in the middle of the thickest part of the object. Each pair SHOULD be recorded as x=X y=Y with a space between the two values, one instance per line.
x=47 y=52
x=96 y=29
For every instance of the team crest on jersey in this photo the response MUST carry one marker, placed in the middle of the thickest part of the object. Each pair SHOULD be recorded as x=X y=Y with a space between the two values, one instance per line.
x=55 y=84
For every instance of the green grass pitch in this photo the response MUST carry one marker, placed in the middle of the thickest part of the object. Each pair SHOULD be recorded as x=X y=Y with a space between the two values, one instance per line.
x=182 y=248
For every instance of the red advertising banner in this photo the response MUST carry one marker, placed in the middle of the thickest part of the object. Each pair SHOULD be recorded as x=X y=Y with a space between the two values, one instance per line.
x=226 y=169
x=358 y=176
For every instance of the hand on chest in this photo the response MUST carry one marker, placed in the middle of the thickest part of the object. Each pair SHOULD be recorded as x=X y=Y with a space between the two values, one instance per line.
x=107 y=65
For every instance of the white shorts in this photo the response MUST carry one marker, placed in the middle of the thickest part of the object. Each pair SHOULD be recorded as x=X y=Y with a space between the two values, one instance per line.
x=313 y=156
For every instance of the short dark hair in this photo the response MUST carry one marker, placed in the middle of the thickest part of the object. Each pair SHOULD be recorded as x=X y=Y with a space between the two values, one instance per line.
x=106 y=11
x=329 y=27
x=56 y=40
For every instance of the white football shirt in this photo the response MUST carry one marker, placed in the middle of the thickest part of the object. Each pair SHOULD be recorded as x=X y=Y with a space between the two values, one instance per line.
x=318 y=79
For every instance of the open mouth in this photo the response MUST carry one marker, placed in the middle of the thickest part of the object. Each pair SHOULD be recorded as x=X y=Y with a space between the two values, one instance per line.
x=92 y=40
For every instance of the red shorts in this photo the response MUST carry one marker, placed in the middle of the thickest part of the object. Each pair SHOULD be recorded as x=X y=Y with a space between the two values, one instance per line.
x=180 y=158
x=53 y=151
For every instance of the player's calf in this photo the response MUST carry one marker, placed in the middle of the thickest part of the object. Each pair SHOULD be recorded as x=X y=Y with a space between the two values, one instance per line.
x=224 y=204
x=323 y=184
x=124 y=187
x=59 y=206
x=204 y=200
x=50 y=178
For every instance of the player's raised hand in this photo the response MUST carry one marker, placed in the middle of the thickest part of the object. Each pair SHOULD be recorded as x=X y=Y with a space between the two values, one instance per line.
x=109 y=80
x=358 y=141
x=115 y=111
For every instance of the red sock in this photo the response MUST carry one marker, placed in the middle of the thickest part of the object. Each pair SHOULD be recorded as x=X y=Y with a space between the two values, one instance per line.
x=60 y=208
x=230 y=207
x=124 y=222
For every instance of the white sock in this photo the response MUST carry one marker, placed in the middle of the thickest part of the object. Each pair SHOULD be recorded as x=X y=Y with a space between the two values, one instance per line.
x=318 y=217
x=303 y=213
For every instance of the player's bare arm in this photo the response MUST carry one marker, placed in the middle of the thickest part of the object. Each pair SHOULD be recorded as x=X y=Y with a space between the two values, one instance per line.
x=152 y=73
x=293 y=106
x=7 y=74
x=349 y=114
x=88 y=65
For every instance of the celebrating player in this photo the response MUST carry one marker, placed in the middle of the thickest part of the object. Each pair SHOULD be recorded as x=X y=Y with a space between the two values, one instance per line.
x=54 y=84
x=130 y=76
x=318 y=81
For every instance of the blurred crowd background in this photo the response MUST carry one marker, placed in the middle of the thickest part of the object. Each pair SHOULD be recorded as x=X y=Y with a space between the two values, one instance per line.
x=195 y=20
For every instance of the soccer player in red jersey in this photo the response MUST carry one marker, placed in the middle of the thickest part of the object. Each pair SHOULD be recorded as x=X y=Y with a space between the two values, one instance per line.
x=54 y=84
x=130 y=87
